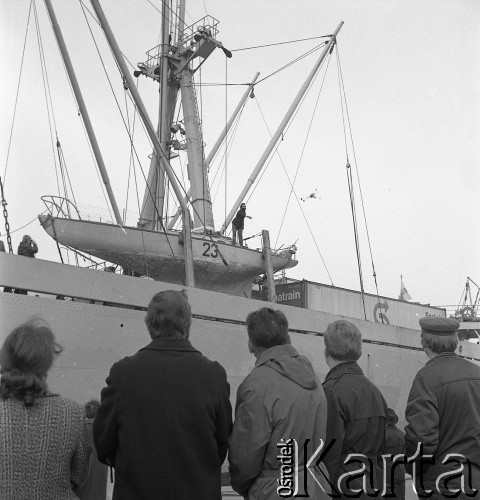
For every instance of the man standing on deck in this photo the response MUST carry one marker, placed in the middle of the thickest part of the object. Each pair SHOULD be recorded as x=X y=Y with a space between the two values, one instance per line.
x=443 y=415
x=356 y=415
x=165 y=415
x=238 y=224
x=27 y=247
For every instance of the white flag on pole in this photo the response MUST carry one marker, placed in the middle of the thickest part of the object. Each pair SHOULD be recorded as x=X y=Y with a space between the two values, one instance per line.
x=404 y=295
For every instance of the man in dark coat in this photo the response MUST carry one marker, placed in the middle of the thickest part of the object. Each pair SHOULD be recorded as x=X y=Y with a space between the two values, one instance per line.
x=27 y=247
x=443 y=415
x=238 y=224
x=165 y=415
x=356 y=414
x=394 y=446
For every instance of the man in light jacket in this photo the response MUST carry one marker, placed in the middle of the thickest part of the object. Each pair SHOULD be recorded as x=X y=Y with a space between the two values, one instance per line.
x=278 y=402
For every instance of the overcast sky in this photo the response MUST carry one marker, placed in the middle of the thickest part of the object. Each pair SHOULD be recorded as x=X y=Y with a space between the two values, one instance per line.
x=410 y=73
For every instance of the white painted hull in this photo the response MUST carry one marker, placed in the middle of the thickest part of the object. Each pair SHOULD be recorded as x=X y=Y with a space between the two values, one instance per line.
x=218 y=265
x=95 y=335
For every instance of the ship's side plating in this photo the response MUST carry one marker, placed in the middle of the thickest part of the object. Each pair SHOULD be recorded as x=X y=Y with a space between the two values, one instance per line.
x=105 y=322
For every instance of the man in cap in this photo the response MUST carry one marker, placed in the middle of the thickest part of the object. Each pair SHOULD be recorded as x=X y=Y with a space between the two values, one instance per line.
x=443 y=414
x=238 y=224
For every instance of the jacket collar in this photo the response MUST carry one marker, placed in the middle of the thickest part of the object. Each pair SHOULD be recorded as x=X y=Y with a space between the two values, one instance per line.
x=275 y=352
x=442 y=355
x=342 y=369
x=169 y=344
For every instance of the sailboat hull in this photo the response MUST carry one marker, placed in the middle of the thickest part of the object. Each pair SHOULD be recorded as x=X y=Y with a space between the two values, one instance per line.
x=218 y=265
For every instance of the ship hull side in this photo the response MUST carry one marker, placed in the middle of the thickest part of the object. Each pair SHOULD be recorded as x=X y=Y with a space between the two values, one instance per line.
x=95 y=333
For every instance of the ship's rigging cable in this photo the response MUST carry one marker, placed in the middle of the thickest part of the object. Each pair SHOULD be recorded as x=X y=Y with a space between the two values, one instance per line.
x=281 y=43
x=285 y=66
x=302 y=152
x=346 y=121
x=228 y=146
x=63 y=167
x=132 y=166
x=17 y=94
x=344 y=94
x=48 y=96
x=27 y=224
x=296 y=197
x=276 y=151
x=225 y=154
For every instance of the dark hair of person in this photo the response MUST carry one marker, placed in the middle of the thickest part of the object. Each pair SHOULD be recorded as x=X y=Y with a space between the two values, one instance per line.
x=267 y=328
x=438 y=343
x=91 y=408
x=343 y=341
x=169 y=315
x=26 y=357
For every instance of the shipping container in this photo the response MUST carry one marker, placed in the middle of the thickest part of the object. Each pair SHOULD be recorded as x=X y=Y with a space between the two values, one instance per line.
x=350 y=303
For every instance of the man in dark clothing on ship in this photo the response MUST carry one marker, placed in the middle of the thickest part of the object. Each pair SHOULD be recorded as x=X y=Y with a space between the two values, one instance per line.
x=27 y=247
x=394 y=445
x=238 y=224
x=443 y=415
x=356 y=415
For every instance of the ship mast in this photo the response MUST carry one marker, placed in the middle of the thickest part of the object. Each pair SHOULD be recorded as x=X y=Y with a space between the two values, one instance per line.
x=173 y=64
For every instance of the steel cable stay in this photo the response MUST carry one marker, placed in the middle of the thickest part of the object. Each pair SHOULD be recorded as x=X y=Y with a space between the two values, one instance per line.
x=48 y=98
x=281 y=43
x=17 y=93
x=228 y=147
x=276 y=151
x=347 y=115
x=303 y=149
x=132 y=166
x=2 y=183
x=347 y=123
x=296 y=197
x=225 y=151
x=285 y=66
x=55 y=141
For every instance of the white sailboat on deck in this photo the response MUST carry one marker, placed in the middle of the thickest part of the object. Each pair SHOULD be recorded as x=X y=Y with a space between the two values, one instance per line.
x=154 y=248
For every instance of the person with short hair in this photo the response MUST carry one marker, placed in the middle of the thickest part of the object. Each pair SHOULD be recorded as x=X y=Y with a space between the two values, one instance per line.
x=356 y=411
x=165 y=414
x=238 y=224
x=443 y=414
x=44 y=449
x=279 y=400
